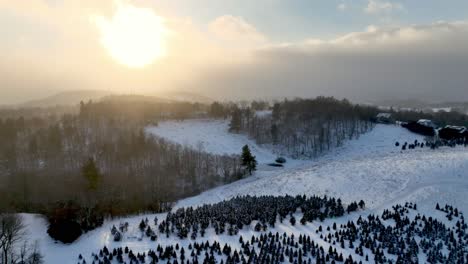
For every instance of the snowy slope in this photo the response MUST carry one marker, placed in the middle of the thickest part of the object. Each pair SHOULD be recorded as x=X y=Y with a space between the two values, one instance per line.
x=370 y=168
x=211 y=136
x=86 y=245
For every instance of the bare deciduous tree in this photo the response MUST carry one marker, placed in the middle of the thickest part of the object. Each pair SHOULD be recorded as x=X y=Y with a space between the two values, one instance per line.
x=13 y=248
x=11 y=233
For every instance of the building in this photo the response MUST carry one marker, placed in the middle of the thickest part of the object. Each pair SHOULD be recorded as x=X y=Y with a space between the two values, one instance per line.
x=384 y=118
x=452 y=132
x=427 y=123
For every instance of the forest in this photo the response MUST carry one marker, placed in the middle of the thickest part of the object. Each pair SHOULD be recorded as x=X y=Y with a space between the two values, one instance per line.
x=102 y=150
x=305 y=128
x=77 y=165
x=100 y=162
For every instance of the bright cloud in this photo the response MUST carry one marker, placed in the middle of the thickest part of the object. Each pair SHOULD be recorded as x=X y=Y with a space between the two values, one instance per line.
x=58 y=48
x=342 y=7
x=235 y=29
x=376 y=7
x=426 y=62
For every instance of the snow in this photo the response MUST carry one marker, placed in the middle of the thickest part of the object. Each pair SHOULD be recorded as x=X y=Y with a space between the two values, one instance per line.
x=92 y=242
x=263 y=113
x=210 y=136
x=442 y=109
x=369 y=168
x=58 y=253
x=213 y=136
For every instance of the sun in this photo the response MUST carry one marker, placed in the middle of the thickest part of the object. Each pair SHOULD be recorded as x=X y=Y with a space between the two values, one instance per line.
x=133 y=36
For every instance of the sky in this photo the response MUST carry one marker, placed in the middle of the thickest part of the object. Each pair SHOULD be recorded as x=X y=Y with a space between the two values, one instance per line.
x=236 y=49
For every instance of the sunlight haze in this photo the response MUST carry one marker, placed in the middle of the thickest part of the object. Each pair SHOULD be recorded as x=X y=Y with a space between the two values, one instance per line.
x=362 y=50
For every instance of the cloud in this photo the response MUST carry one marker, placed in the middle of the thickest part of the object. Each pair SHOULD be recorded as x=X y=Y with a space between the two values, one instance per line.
x=425 y=62
x=236 y=30
x=377 y=7
x=55 y=47
x=342 y=7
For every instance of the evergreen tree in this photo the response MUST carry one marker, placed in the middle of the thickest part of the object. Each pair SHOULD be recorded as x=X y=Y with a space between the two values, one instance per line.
x=91 y=173
x=248 y=160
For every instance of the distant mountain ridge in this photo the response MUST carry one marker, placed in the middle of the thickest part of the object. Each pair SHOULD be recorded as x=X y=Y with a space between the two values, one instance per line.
x=67 y=98
x=71 y=98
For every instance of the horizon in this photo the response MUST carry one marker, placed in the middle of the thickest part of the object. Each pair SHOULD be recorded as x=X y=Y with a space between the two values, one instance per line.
x=369 y=50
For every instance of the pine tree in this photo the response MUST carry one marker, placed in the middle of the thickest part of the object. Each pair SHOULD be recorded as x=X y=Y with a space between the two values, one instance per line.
x=248 y=160
x=91 y=173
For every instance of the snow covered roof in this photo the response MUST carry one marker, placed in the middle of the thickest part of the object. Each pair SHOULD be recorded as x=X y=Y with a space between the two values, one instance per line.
x=442 y=109
x=460 y=129
x=384 y=115
x=426 y=122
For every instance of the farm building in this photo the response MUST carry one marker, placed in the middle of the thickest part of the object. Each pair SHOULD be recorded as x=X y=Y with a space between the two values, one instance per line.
x=384 y=118
x=452 y=132
x=423 y=127
x=427 y=123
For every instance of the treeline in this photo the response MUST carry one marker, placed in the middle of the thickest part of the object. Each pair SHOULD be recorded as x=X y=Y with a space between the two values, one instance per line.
x=303 y=127
x=141 y=109
x=100 y=162
x=37 y=112
x=441 y=118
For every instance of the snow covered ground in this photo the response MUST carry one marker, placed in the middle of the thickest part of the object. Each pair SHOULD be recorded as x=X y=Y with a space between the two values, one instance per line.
x=370 y=168
x=213 y=136
x=135 y=240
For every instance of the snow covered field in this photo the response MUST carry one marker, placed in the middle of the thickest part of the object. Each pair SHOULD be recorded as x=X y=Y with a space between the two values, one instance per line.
x=370 y=168
x=210 y=136
x=213 y=136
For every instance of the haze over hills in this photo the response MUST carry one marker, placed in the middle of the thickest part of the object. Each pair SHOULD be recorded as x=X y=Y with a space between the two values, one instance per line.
x=70 y=98
x=423 y=105
x=66 y=98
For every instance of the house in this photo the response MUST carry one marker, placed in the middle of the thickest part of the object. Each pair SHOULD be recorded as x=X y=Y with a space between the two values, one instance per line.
x=427 y=123
x=384 y=118
x=465 y=135
x=452 y=132
x=423 y=127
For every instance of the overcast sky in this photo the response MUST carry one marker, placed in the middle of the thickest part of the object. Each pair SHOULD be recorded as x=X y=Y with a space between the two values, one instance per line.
x=360 y=49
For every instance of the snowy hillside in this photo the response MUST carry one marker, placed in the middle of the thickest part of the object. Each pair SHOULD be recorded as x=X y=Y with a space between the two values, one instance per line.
x=213 y=136
x=210 y=136
x=370 y=168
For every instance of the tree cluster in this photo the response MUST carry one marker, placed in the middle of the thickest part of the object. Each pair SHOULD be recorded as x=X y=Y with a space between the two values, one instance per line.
x=231 y=216
x=107 y=166
x=304 y=127
x=392 y=237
